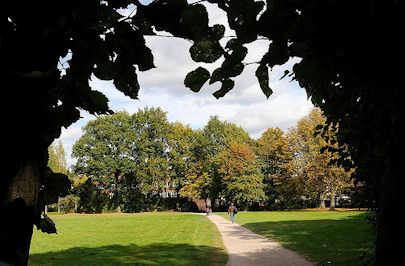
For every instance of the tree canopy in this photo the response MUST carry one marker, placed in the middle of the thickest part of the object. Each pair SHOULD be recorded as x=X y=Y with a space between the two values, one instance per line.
x=313 y=161
x=129 y=159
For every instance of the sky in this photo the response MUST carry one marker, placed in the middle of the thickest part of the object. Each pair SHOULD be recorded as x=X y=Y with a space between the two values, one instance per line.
x=163 y=87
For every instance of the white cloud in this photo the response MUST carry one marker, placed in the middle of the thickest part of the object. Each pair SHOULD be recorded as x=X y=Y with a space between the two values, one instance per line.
x=71 y=134
x=245 y=105
x=68 y=138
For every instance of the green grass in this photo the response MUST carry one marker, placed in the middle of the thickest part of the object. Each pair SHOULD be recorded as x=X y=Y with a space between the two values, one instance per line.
x=325 y=237
x=130 y=239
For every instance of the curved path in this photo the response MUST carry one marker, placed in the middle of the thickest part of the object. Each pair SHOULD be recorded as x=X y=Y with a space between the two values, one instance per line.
x=246 y=248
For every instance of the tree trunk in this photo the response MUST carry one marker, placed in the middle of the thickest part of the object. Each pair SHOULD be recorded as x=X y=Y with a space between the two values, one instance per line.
x=332 y=201
x=116 y=194
x=18 y=210
x=58 y=205
x=322 y=205
x=208 y=203
x=389 y=223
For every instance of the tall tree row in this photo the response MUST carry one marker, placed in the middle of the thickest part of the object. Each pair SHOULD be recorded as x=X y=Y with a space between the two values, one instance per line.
x=133 y=160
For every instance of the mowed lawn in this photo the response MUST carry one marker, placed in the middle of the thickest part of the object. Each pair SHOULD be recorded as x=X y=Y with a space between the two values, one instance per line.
x=324 y=237
x=129 y=239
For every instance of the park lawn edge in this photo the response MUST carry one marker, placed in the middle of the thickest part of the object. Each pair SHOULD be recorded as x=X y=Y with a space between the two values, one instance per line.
x=218 y=256
x=367 y=256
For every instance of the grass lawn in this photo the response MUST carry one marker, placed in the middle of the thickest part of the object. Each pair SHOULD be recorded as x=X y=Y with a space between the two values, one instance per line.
x=134 y=239
x=325 y=237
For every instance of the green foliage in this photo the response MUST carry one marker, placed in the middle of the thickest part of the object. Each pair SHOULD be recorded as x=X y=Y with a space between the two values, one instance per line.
x=57 y=158
x=56 y=185
x=56 y=181
x=206 y=51
x=196 y=79
x=207 y=177
x=240 y=172
x=123 y=151
x=91 y=199
x=69 y=203
x=263 y=77
x=314 y=163
x=227 y=85
x=131 y=159
x=275 y=156
x=127 y=161
x=220 y=135
x=181 y=142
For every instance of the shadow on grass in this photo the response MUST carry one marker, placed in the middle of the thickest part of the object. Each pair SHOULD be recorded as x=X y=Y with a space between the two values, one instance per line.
x=349 y=241
x=154 y=254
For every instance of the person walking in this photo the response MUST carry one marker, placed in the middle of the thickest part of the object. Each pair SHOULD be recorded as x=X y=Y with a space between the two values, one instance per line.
x=232 y=211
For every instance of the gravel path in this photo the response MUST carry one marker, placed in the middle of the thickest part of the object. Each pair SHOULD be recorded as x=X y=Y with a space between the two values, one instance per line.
x=246 y=248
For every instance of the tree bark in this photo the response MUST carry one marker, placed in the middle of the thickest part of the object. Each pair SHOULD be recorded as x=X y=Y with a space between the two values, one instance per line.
x=18 y=209
x=332 y=201
x=389 y=223
x=58 y=205
x=322 y=205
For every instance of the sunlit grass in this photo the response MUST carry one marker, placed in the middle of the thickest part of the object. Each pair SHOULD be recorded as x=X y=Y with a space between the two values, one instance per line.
x=325 y=237
x=135 y=239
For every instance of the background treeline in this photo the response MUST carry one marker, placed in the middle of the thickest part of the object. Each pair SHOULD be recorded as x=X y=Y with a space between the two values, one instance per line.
x=142 y=162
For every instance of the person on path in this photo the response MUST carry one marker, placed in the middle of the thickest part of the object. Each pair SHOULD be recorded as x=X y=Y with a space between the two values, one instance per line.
x=232 y=211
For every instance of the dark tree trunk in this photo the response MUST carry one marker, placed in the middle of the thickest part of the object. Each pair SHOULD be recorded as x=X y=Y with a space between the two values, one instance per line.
x=390 y=228
x=18 y=213
x=16 y=233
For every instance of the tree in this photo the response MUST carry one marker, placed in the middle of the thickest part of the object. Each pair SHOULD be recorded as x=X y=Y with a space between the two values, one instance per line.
x=181 y=141
x=203 y=179
x=198 y=180
x=275 y=156
x=241 y=175
x=150 y=148
x=57 y=162
x=126 y=154
x=102 y=153
x=314 y=162
x=220 y=135
x=57 y=158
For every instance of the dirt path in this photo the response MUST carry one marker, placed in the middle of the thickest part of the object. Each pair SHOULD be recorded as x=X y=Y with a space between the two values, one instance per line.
x=246 y=248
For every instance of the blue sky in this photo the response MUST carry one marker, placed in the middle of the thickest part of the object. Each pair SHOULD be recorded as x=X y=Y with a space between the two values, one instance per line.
x=163 y=87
